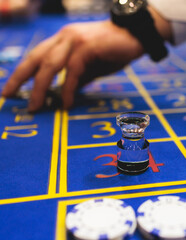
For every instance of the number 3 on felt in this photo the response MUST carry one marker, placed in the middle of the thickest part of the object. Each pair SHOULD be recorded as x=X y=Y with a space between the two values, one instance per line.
x=104 y=126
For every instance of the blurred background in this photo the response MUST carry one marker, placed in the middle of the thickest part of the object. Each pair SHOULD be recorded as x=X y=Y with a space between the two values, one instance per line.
x=15 y=9
x=86 y=6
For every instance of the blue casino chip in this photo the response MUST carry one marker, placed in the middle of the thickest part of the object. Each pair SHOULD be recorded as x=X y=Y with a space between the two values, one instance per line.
x=101 y=219
x=163 y=218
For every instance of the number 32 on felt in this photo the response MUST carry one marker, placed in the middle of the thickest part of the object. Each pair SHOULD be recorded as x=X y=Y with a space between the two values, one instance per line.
x=105 y=126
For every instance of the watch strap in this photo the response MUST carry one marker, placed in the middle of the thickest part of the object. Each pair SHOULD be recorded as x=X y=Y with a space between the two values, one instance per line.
x=141 y=25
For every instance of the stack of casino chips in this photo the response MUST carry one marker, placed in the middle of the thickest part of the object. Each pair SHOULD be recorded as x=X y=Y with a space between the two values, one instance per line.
x=163 y=218
x=109 y=219
x=101 y=219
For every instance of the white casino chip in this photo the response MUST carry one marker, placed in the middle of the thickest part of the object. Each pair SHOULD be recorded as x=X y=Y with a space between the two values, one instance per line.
x=163 y=218
x=11 y=53
x=101 y=219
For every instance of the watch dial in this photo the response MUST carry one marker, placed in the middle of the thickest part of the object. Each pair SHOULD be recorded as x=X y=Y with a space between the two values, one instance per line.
x=122 y=7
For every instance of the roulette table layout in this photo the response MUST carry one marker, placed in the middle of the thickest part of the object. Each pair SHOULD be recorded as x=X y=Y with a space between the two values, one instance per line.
x=52 y=160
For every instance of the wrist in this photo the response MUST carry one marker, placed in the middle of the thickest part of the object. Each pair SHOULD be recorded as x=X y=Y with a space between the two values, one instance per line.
x=162 y=25
x=128 y=45
x=135 y=17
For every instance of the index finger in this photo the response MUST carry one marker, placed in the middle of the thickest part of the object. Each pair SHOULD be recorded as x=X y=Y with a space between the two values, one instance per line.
x=28 y=67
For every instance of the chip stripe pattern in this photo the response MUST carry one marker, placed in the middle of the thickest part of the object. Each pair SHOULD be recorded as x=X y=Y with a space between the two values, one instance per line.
x=103 y=219
x=163 y=217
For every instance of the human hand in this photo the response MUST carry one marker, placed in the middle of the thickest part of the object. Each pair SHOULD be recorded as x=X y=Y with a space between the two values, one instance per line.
x=86 y=50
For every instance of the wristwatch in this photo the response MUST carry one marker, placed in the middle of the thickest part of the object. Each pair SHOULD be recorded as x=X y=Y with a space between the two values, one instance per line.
x=133 y=15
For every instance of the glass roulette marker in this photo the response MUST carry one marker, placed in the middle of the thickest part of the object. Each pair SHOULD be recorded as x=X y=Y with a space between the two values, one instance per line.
x=133 y=148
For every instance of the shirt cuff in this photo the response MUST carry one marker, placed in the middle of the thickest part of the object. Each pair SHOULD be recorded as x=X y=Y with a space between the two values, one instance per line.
x=179 y=32
x=174 y=10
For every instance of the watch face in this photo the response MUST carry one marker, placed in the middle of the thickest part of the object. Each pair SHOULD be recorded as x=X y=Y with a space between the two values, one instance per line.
x=126 y=7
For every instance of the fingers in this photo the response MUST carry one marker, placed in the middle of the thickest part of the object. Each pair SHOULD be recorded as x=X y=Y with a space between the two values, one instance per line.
x=54 y=61
x=28 y=67
x=69 y=89
x=75 y=69
x=45 y=61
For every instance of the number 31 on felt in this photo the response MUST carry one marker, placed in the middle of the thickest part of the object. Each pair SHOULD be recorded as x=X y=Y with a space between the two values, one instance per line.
x=104 y=126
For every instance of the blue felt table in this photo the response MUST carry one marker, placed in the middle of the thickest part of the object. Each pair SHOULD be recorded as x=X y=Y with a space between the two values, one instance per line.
x=55 y=159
